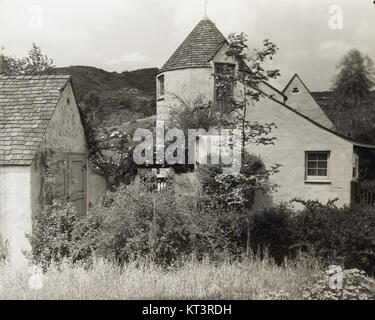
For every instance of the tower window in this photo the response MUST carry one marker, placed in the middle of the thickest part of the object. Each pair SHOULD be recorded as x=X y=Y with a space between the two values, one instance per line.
x=224 y=84
x=161 y=87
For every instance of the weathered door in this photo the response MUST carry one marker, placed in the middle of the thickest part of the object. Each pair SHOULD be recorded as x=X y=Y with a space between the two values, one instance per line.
x=77 y=181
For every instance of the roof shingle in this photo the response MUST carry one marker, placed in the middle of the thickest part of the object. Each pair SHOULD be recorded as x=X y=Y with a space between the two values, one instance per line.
x=27 y=104
x=197 y=49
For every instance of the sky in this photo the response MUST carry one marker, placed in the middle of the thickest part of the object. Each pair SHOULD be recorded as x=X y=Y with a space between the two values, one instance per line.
x=123 y=35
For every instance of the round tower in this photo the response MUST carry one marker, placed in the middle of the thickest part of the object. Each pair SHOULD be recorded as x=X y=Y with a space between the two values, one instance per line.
x=188 y=73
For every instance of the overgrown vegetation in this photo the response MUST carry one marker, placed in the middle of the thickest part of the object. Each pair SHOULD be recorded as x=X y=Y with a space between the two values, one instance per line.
x=188 y=279
x=136 y=222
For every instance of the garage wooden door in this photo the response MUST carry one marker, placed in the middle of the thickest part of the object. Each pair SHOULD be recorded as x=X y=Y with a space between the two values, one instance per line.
x=77 y=181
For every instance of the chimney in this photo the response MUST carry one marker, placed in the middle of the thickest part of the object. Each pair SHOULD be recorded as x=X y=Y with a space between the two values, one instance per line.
x=1 y=64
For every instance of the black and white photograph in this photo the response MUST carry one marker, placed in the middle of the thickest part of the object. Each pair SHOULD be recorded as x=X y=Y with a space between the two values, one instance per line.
x=197 y=150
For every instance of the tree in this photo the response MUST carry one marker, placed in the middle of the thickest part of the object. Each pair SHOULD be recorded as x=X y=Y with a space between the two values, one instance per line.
x=34 y=64
x=248 y=86
x=238 y=90
x=351 y=86
x=91 y=101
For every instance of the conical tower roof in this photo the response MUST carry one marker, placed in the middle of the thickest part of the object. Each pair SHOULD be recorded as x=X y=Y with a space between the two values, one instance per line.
x=197 y=49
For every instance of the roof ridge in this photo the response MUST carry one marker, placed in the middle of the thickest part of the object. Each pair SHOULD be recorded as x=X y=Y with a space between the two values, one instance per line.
x=35 y=77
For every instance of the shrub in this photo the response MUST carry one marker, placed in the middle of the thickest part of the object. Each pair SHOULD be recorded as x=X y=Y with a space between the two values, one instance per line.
x=338 y=235
x=136 y=221
x=139 y=223
x=215 y=231
x=52 y=234
x=272 y=231
x=335 y=235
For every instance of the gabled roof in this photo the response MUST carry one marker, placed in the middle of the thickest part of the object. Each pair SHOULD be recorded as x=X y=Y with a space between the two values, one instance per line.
x=303 y=101
x=198 y=48
x=334 y=132
x=27 y=104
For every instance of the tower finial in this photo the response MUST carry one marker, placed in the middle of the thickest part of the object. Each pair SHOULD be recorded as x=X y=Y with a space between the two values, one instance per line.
x=205 y=8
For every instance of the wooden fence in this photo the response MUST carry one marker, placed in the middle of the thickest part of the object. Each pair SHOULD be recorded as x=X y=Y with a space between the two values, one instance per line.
x=363 y=193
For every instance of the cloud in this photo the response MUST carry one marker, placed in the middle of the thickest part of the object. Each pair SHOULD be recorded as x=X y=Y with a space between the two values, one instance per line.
x=128 y=58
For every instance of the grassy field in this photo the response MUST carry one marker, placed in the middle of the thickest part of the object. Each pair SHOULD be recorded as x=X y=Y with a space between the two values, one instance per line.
x=254 y=279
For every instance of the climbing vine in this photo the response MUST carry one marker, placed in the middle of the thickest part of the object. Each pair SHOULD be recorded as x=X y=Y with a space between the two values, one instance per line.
x=111 y=155
x=52 y=165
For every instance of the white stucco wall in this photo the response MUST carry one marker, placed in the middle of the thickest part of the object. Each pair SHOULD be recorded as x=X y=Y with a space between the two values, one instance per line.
x=296 y=135
x=303 y=102
x=187 y=84
x=15 y=211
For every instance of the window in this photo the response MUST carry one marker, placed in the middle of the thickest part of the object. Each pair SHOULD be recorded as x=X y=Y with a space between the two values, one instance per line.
x=355 y=167
x=161 y=87
x=224 y=84
x=317 y=165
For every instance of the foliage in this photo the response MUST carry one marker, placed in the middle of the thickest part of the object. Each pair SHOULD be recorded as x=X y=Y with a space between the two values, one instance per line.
x=355 y=286
x=52 y=234
x=111 y=155
x=34 y=64
x=91 y=103
x=335 y=235
x=273 y=232
x=214 y=230
x=351 y=87
x=341 y=235
x=143 y=223
x=239 y=90
x=237 y=190
x=191 y=114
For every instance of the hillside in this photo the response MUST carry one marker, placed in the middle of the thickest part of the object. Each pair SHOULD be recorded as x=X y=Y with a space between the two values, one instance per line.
x=123 y=97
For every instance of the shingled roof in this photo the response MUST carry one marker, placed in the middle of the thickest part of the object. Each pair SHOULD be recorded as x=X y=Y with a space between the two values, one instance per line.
x=27 y=104
x=197 y=49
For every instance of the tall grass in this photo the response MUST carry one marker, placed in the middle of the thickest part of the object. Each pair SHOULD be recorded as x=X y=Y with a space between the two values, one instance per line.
x=250 y=279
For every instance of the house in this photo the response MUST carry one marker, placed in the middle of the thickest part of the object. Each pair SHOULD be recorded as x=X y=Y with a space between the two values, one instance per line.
x=317 y=162
x=42 y=155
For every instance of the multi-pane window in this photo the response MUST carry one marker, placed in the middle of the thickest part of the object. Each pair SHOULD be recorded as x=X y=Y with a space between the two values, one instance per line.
x=161 y=86
x=317 y=165
x=224 y=84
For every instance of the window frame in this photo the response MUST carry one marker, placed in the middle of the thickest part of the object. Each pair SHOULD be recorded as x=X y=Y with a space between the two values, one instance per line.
x=317 y=178
x=160 y=86
x=221 y=102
